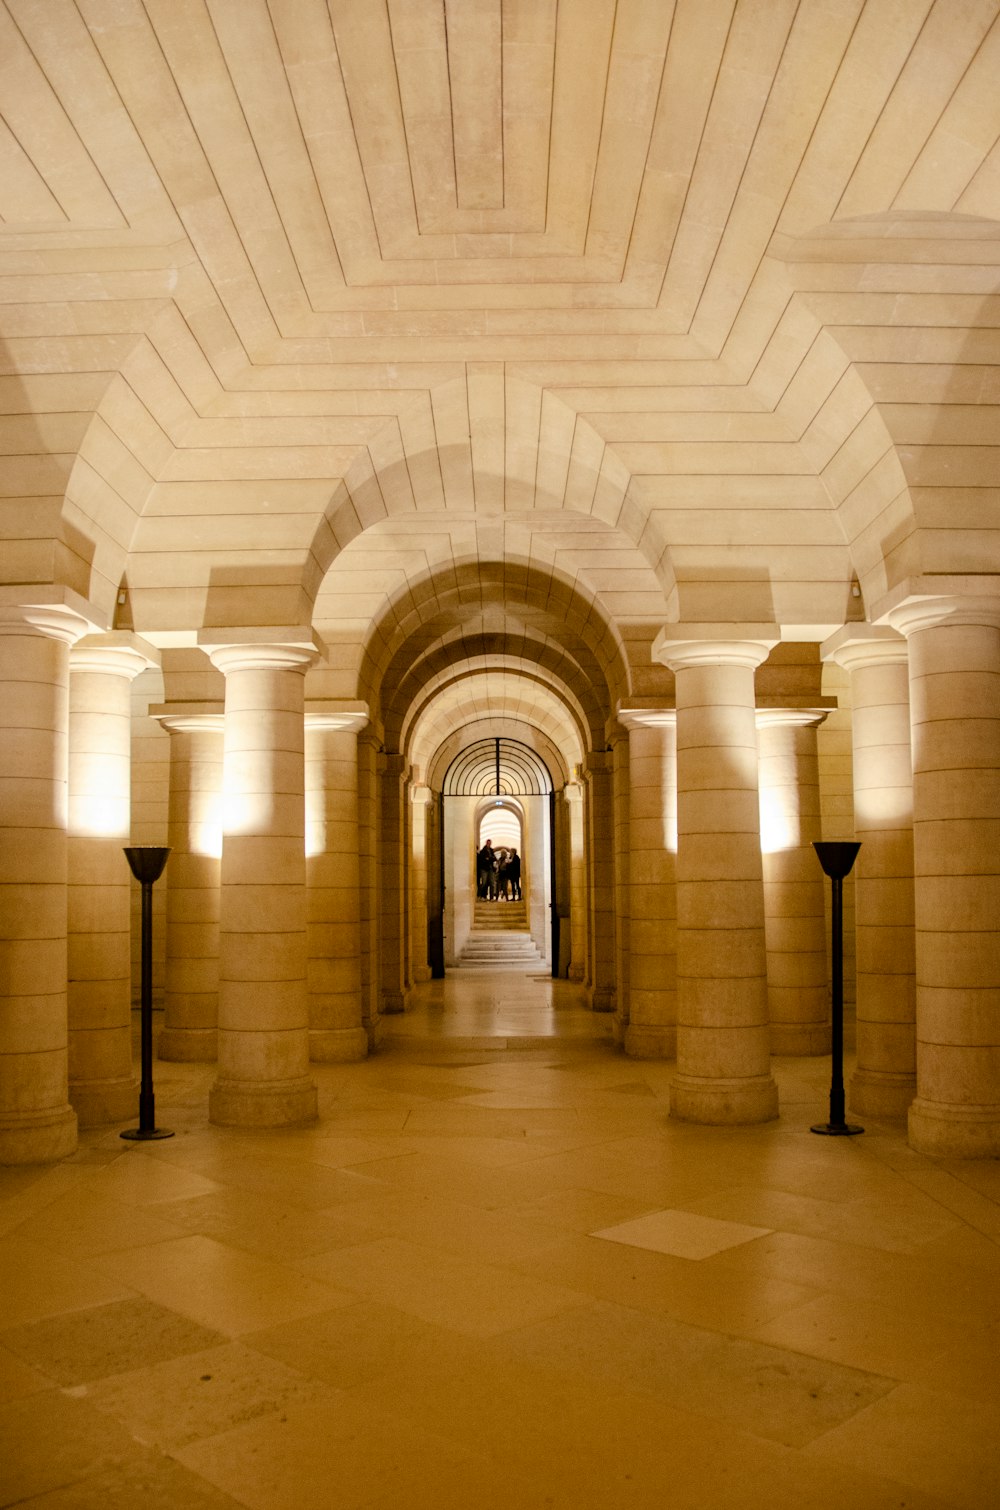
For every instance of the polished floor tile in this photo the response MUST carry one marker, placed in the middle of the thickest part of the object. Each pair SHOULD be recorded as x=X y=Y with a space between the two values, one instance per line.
x=496 y=1273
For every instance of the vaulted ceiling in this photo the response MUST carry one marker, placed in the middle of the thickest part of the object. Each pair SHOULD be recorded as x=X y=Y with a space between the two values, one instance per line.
x=688 y=304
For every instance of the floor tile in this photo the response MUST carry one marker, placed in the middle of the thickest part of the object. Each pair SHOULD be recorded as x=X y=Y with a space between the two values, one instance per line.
x=36 y=1283
x=682 y=1233
x=199 y=1395
x=334 y=1456
x=51 y=1440
x=925 y=1439
x=221 y=1287
x=90 y=1344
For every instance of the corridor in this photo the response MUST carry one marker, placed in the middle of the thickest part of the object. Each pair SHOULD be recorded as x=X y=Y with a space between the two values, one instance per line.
x=496 y=1274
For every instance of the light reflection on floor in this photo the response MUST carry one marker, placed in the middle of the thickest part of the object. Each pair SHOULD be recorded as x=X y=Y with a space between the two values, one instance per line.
x=478 y=1004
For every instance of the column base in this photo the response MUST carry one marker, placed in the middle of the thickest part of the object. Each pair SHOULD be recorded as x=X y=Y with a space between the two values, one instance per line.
x=646 y=1042
x=421 y=973
x=718 y=1102
x=800 y=1039
x=286 y=1104
x=188 y=1045
x=98 y=1103
x=374 y=1030
x=393 y=1002
x=955 y=1132
x=602 y=1000
x=337 y=1045
x=575 y=973
x=38 y=1137
x=887 y=1096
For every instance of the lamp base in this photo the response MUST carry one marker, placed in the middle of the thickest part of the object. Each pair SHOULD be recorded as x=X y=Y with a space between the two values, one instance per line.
x=837 y=1129
x=143 y=1134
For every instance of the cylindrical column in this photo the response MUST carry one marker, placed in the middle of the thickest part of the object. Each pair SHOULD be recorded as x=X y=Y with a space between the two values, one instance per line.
x=884 y=1082
x=954 y=658
x=652 y=1028
x=191 y=1002
x=37 y=1123
x=263 y=1076
x=392 y=884
x=723 y=1055
x=421 y=801
x=573 y=793
x=601 y=816
x=102 y=1085
x=336 y=1028
x=368 y=748
x=794 y=913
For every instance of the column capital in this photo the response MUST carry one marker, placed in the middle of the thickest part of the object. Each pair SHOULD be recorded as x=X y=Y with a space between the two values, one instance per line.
x=189 y=718
x=118 y=652
x=679 y=646
x=55 y=613
x=421 y=796
x=336 y=715
x=864 y=645
x=647 y=718
x=288 y=648
x=597 y=762
x=929 y=602
x=790 y=718
x=392 y=764
x=573 y=792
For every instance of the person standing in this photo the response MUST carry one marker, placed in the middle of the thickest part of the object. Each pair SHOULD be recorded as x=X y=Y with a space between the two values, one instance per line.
x=485 y=866
x=514 y=875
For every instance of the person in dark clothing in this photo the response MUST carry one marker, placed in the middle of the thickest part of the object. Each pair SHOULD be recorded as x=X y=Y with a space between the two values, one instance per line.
x=514 y=875
x=485 y=866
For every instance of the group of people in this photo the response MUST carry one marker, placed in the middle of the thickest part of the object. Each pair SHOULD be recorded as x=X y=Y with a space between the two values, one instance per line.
x=498 y=874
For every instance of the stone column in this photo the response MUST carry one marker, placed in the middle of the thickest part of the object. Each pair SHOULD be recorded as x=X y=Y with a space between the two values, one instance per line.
x=601 y=815
x=37 y=1123
x=421 y=800
x=369 y=744
x=618 y=740
x=954 y=657
x=794 y=903
x=723 y=1056
x=336 y=1029
x=573 y=794
x=652 y=1028
x=392 y=870
x=263 y=1078
x=884 y=1083
x=191 y=1000
x=102 y=1085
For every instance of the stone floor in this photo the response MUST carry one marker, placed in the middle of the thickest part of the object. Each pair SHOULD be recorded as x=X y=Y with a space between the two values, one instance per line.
x=495 y=1276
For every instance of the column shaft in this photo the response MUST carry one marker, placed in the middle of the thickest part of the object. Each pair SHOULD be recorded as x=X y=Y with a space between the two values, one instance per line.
x=336 y=1029
x=191 y=1002
x=954 y=658
x=263 y=1007
x=102 y=1085
x=37 y=1123
x=723 y=1055
x=652 y=1027
x=884 y=1082
x=794 y=915
x=601 y=815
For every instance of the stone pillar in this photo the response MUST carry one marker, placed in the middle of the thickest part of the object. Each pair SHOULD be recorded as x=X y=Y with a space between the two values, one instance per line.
x=573 y=794
x=954 y=658
x=601 y=816
x=421 y=800
x=652 y=1028
x=794 y=902
x=618 y=740
x=884 y=1083
x=102 y=1085
x=723 y=1056
x=37 y=1123
x=369 y=744
x=392 y=870
x=263 y=1078
x=336 y=1028
x=191 y=999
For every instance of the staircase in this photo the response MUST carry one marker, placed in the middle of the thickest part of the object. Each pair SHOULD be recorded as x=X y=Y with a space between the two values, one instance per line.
x=500 y=939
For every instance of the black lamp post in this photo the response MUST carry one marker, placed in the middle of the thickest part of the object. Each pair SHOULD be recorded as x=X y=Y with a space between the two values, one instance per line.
x=836 y=858
x=147 y=862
